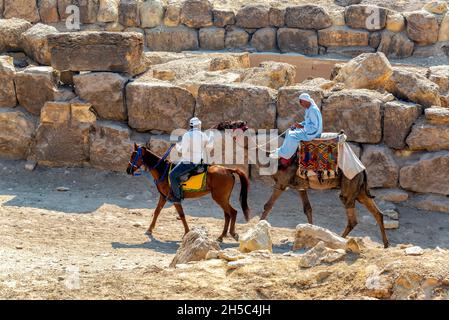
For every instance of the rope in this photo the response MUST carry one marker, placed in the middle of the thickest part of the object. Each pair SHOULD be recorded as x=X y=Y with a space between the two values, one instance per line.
x=260 y=146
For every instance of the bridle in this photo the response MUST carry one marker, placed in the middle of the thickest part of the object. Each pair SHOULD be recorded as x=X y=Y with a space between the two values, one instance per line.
x=139 y=155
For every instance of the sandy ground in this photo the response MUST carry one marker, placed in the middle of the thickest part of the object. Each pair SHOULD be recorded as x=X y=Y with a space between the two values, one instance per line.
x=89 y=242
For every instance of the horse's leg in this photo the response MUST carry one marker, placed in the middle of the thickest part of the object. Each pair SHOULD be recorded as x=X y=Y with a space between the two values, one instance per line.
x=232 y=227
x=369 y=203
x=225 y=228
x=230 y=214
x=182 y=216
x=156 y=213
x=307 y=208
x=269 y=205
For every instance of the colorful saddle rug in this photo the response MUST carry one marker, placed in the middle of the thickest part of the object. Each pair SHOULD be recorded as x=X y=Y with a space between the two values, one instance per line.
x=319 y=156
x=194 y=181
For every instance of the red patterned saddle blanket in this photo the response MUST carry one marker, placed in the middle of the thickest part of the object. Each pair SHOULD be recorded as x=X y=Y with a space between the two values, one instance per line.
x=319 y=156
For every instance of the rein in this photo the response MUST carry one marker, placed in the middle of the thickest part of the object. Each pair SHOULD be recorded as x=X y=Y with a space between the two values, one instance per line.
x=161 y=160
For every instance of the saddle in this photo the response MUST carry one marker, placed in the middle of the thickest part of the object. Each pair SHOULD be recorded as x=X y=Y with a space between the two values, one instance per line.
x=195 y=180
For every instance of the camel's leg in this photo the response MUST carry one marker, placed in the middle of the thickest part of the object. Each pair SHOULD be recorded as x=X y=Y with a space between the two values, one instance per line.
x=352 y=221
x=182 y=216
x=269 y=205
x=369 y=203
x=156 y=213
x=306 y=205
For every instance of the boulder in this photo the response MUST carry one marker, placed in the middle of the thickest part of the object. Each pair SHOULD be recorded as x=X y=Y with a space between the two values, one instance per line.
x=236 y=38
x=16 y=133
x=48 y=11
x=422 y=27
x=342 y=37
x=307 y=17
x=395 y=22
x=297 y=40
x=428 y=136
x=229 y=61
x=108 y=11
x=358 y=112
x=151 y=13
x=366 y=17
x=320 y=254
x=368 y=70
x=104 y=91
x=276 y=17
x=427 y=175
x=440 y=76
x=437 y=115
x=175 y=39
x=257 y=238
x=444 y=29
x=88 y=10
x=172 y=14
x=194 y=246
x=35 y=44
x=430 y=203
x=212 y=38
x=129 y=13
x=345 y=3
x=7 y=89
x=270 y=74
x=97 y=51
x=21 y=9
x=196 y=13
x=381 y=168
x=396 y=45
x=399 y=117
x=264 y=39
x=308 y=236
x=253 y=16
x=392 y=195
x=11 y=33
x=222 y=102
x=436 y=7
x=223 y=17
x=158 y=106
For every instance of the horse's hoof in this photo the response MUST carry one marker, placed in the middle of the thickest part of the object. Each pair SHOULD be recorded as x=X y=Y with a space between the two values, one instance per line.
x=220 y=239
x=386 y=245
x=149 y=233
x=235 y=236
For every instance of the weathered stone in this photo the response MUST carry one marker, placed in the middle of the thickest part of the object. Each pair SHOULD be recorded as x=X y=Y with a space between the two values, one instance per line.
x=374 y=39
x=11 y=33
x=35 y=44
x=151 y=13
x=264 y=39
x=431 y=203
x=276 y=17
x=320 y=254
x=236 y=38
x=172 y=14
x=357 y=112
x=296 y=40
x=108 y=11
x=422 y=27
x=48 y=11
x=254 y=104
x=436 y=7
x=440 y=76
x=395 y=22
x=391 y=214
x=337 y=18
x=257 y=238
x=212 y=38
x=158 y=106
x=398 y=120
x=175 y=39
x=7 y=89
x=16 y=133
x=307 y=17
x=230 y=61
x=350 y=52
x=345 y=3
x=230 y=254
x=396 y=45
x=437 y=115
x=430 y=137
x=192 y=84
x=97 y=51
x=253 y=16
x=378 y=285
x=392 y=195
x=2 y=2
x=444 y=29
x=342 y=37
x=196 y=13
x=21 y=9
x=369 y=70
x=366 y=17
x=414 y=251
x=391 y=224
x=428 y=175
x=308 y=236
x=129 y=13
x=194 y=247
x=223 y=17
x=88 y=9
x=270 y=74
x=381 y=168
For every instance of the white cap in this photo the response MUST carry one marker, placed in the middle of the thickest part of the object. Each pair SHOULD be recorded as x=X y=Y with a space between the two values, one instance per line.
x=306 y=97
x=195 y=122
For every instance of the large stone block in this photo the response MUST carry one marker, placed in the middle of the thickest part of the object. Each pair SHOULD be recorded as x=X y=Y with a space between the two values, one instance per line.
x=105 y=91
x=422 y=27
x=97 y=51
x=108 y=11
x=437 y=115
x=428 y=136
x=342 y=37
x=396 y=45
x=253 y=16
x=366 y=17
x=22 y=9
x=358 y=112
x=212 y=38
x=264 y=39
x=381 y=168
x=7 y=89
x=395 y=22
x=297 y=40
x=35 y=43
x=399 y=117
x=221 y=102
x=223 y=17
x=129 y=13
x=175 y=39
x=428 y=175
x=48 y=11
x=307 y=17
x=270 y=74
x=236 y=38
x=158 y=106
x=172 y=14
x=276 y=17
x=444 y=29
x=196 y=13
x=11 y=33
x=88 y=9
x=151 y=13
x=440 y=76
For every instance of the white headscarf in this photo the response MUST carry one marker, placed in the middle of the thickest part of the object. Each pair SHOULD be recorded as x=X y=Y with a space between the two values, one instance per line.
x=306 y=97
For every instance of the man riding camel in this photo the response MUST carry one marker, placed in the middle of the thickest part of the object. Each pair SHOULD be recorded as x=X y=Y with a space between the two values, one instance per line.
x=193 y=148
x=311 y=128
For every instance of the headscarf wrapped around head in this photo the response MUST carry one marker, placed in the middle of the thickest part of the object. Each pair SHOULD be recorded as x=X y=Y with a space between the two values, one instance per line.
x=306 y=97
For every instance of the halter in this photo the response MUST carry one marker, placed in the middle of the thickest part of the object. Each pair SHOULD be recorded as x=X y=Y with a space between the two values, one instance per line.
x=161 y=160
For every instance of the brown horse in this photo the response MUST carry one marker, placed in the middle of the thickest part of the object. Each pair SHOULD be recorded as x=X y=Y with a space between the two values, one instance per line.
x=219 y=183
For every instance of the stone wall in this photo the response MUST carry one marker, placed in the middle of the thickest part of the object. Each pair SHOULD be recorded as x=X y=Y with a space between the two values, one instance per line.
x=306 y=29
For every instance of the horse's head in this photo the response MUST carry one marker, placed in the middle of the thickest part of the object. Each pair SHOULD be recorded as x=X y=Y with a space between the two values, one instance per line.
x=136 y=160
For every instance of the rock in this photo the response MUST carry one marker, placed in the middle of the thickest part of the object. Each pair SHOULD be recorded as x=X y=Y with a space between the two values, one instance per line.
x=158 y=106
x=88 y=10
x=345 y=3
x=253 y=16
x=369 y=70
x=342 y=37
x=222 y=102
x=21 y=9
x=422 y=27
x=427 y=136
x=159 y=144
x=392 y=214
x=308 y=236
x=172 y=14
x=48 y=11
x=194 y=247
x=436 y=7
x=35 y=44
x=230 y=61
x=257 y=238
x=113 y=27
x=223 y=17
x=381 y=168
x=374 y=39
x=264 y=39
x=175 y=39
x=366 y=17
x=237 y=264
x=212 y=38
x=396 y=45
x=414 y=251
x=212 y=254
x=307 y=17
x=105 y=91
x=196 y=13
x=350 y=52
x=129 y=13
x=440 y=76
x=414 y=87
x=378 y=285
x=431 y=203
x=30 y=165
x=338 y=18
x=444 y=29
x=395 y=22
x=398 y=120
x=427 y=175
x=207 y=77
x=236 y=38
x=11 y=33
x=276 y=17
x=270 y=74
x=97 y=51
x=391 y=224
x=297 y=40
x=357 y=112
x=108 y=11
x=151 y=13
x=7 y=88
x=437 y=115
x=393 y=195
x=230 y=254
x=16 y=133
x=320 y=254
x=62 y=189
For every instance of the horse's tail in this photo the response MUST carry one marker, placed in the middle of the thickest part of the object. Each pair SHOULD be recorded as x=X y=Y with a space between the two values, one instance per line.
x=244 y=181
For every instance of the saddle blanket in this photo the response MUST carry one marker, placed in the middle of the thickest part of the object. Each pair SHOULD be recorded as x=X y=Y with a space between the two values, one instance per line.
x=194 y=183
x=319 y=155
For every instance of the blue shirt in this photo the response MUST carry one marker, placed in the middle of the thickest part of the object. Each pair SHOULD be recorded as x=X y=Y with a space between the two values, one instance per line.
x=313 y=122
